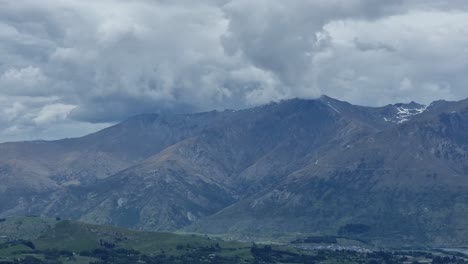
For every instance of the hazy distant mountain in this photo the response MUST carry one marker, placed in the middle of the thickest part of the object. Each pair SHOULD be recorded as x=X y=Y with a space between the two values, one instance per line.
x=29 y=169
x=392 y=173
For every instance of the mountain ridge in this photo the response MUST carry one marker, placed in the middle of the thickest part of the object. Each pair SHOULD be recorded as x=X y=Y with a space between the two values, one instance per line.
x=288 y=166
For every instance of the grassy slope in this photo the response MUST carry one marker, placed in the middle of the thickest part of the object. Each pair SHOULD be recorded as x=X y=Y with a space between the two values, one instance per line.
x=77 y=237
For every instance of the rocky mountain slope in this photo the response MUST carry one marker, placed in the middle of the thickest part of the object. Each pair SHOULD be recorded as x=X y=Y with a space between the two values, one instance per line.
x=325 y=167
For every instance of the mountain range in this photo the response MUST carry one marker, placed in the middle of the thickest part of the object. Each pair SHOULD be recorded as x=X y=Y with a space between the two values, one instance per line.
x=396 y=174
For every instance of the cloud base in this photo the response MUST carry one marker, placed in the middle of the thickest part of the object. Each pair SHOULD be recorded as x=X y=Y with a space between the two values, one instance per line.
x=82 y=65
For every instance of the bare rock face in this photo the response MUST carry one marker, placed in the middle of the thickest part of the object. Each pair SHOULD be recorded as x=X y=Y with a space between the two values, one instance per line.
x=299 y=166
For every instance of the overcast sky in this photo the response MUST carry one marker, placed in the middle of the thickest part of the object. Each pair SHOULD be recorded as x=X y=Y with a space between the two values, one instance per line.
x=70 y=67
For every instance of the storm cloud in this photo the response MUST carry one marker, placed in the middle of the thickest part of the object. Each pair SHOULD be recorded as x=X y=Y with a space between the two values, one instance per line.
x=70 y=67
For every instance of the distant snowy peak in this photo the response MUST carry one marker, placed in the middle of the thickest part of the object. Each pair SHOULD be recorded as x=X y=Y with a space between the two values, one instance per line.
x=400 y=113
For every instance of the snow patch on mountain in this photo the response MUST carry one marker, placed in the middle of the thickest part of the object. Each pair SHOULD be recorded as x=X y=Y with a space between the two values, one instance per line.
x=336 y=110
x=404 y=112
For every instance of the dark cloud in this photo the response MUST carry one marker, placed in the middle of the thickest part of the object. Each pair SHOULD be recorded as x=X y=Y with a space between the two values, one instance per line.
x=67 y=64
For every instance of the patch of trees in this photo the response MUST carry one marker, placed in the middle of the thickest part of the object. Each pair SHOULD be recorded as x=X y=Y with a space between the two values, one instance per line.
x=443 y=260
x=411 y=257
x=211 y=254
x=30 y=260
x=124 y=256
x=267 y=254
x=106 y=244
x=29 y=244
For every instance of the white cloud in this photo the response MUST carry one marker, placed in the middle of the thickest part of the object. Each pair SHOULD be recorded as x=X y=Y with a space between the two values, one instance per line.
x=53 y=113
x=425 y=53
x=29 y=80
x=74 y=62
